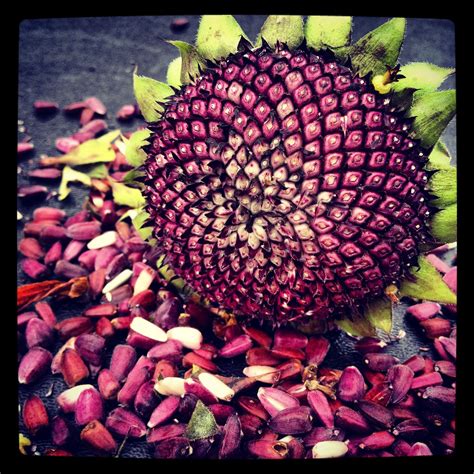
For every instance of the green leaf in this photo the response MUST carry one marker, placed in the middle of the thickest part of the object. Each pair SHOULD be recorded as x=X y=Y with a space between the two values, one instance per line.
x=192 y=63
x=286 y=29
x=324 y=31
x=424 y=76
x=403 y=99
x=439 y=157
x=68 y=176
x=218 y=36
x=202 y=423
x=432 y=111
x=443 y=184
x=148 y=92
x=379 y=314
x=99 y=171
x=134 y=153
x=379 y=48
x=357 y=326
x=132 y=175
x=92 y=151
x=124 y=195
x=173 y=75
x=109 y=137
x=139 y=221
x=444 y=224
x=428 y=285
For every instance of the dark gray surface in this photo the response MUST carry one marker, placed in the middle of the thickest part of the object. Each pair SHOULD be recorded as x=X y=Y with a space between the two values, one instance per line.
x=66 y=60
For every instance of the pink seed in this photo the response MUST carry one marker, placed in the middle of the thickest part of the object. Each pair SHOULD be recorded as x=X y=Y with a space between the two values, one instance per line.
x=426 y=380
x=31 y=248
x=45 y=106
x=94 y=127
x=23 y=148
x=236 y=347
x=86 y=116
x=48 y=213
x=424 y=311
x=125 y=112
x=45 y=173
x=317 y=349
x=75 y=107
x=66 y=144
x=29 y=192
x=34 y=269
x=96 y=105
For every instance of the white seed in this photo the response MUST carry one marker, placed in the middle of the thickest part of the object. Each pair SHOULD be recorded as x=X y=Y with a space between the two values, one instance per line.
x=264 y=373
x=329 y=449
x=148 y=329
x=170 y=386
x=19 y=216
x=67 y=399
x=216 y=386
x=104 y=240
x=189 y=337
x=120 y=279
x=144 y=280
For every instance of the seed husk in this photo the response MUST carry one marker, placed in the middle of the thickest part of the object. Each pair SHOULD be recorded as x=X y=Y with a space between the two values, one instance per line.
x=400 y=378
x=320 y=406
x=377 y=440
x=268 y=449
x=232 y=434
x=426 y=380
x=89 y=407
x=97 y=435
x=35 y=415
x=140 y=373
x=377 y=414
x=124 y=422
x=351 y=385
x=380 y=362
x=317 y=349
x=123 y=360
x=164 y=411
x=160 y=433
x=293 y=420
x=275 y=400
x=60 y=432
x=173 y=448
x=73 y=367
x=351 y=420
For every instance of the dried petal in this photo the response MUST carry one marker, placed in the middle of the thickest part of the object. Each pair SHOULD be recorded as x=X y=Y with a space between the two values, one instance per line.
x=317 y=349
